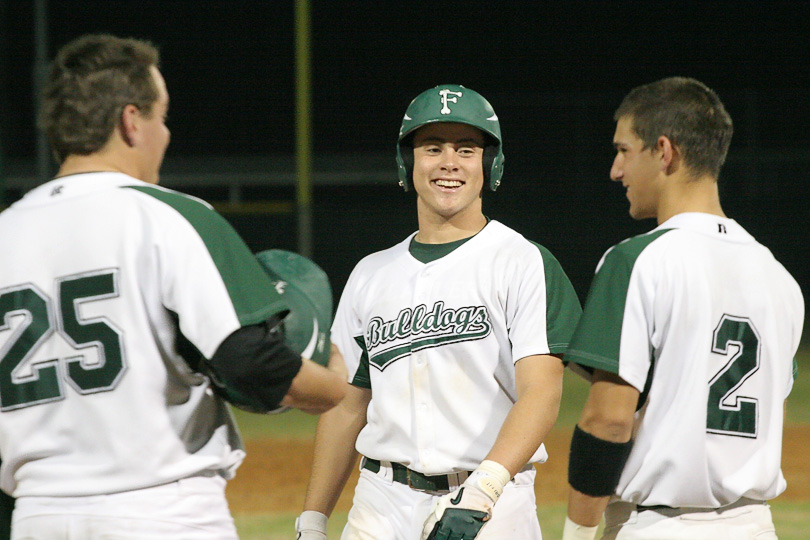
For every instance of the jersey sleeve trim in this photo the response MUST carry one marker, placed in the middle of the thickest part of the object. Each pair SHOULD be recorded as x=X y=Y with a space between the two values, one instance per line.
x=253 y=297
x=562 y=303
x=597 y=340
x=585 y=358
x=362 y=377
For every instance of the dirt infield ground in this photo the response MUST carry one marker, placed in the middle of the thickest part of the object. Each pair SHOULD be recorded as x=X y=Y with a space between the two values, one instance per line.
x=274 y=476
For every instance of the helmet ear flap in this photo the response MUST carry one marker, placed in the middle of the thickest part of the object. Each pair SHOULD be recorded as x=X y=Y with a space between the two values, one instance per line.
x=492 y=162
x=490 y=152
x=405 y=163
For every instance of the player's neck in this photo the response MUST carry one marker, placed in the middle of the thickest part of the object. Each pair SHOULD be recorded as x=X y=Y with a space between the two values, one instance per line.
x=83 y=164
x=687 y=194
x=435 y=229
x=110 y=158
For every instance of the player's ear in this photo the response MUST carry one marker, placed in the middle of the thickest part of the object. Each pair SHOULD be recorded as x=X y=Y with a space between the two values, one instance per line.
x=669 y=154
x=128 y=127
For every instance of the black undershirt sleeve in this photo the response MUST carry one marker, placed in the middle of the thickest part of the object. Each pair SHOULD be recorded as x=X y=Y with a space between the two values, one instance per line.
x=253 y=368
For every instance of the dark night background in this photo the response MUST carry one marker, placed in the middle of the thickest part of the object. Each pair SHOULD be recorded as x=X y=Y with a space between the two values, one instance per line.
x=554 y=73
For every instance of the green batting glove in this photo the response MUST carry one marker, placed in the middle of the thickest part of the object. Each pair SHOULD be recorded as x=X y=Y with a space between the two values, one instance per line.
x=459 y=524
x=461 y=514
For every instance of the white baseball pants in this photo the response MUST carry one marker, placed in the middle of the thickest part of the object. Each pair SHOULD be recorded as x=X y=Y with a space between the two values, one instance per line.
x=744 y=520
x=190 y=509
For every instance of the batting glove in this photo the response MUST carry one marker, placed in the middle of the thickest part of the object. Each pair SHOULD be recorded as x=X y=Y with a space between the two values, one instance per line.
x=461 y=514
x=310 y=525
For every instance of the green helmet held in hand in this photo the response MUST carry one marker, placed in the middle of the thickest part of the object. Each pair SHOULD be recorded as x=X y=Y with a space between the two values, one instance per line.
x=451 y=103
x=306 y=289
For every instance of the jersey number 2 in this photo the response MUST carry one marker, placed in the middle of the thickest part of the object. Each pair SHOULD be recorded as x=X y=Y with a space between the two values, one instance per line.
x=727 y=415
x=41 y=383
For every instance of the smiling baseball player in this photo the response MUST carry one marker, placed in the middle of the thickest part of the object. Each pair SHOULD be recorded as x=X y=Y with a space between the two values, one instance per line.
x=452 y=339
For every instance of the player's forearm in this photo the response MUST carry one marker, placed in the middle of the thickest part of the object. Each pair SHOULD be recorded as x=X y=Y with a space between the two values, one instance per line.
x=584 y=509
x=525 y=428
x=532 y=416
x=600 y=446
x=331 y=468
x=315 y=389
x=335 y=454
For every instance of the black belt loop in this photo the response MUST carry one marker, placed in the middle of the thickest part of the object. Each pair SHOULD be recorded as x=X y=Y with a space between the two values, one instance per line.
x=654 y=507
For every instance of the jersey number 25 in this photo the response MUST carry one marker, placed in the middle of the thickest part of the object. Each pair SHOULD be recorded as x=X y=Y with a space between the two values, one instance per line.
x=42 y=382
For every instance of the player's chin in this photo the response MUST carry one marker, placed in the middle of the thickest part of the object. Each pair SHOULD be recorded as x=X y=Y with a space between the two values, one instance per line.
x=640 y=213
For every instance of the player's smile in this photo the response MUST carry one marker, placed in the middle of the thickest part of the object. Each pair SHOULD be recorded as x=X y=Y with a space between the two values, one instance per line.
x=448 y=184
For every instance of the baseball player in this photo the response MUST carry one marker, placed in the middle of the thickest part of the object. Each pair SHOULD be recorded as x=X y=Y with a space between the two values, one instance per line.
x=690 y=332
x=117 y=295
x=452 y=339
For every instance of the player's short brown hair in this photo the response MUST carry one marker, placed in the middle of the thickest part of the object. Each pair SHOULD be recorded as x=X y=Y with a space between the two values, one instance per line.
x=90 y=82
x=689 y=114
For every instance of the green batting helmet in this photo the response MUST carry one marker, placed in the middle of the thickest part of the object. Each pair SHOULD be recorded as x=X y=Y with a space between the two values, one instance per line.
x=305 y=288
x=451 y=103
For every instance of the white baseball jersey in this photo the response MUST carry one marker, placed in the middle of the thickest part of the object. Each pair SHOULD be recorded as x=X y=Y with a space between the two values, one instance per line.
x=702 y=320
x=95 y=398
x=437 y=342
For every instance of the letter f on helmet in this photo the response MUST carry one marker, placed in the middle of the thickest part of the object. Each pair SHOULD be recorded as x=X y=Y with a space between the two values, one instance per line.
x=444 y=92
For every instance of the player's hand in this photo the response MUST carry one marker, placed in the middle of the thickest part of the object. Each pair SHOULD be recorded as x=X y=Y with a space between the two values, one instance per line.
x=310 y=525
x=460 y=515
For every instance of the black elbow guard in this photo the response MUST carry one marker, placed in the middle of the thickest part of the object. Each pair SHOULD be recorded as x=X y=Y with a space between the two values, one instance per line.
x=253 y=368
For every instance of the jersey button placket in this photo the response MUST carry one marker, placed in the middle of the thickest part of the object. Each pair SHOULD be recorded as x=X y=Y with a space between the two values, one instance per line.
x=420 y=377
x=422 y=414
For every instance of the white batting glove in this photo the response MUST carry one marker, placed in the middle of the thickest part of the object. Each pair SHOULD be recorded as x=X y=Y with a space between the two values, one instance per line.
x=310 y=525
x=462 y=513
x=572 y=531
